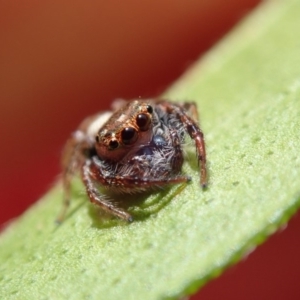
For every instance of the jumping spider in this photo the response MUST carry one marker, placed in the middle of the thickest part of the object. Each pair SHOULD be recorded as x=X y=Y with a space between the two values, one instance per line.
x=136 y=148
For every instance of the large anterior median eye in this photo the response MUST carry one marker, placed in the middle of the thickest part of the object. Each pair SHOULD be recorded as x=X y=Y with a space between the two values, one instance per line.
x=129 y=135
x=143 y=121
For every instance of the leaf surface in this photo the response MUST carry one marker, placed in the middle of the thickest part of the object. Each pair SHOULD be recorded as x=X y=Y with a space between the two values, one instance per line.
x=248 y=93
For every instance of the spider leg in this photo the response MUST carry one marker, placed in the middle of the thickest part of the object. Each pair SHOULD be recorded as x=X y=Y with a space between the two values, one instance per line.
x=88 y=177
x=194 y=132
x=73 y=157
x=91 y=173
x=177 y=159
x=134 y=182
x=191 y=109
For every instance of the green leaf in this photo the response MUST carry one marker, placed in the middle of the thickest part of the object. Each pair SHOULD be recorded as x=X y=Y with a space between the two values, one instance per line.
x=248 y=92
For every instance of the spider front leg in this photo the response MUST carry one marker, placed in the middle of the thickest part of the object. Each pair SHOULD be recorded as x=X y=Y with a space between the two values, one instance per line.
x=194 y=132
x=133 y=183
x=89 y=175
x=177 y=157
x=191 y=109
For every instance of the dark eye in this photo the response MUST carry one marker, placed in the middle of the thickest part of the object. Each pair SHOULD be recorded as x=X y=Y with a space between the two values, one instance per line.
x=149 y=109
x=143 y=121
x=113 y=144
x=129 y=135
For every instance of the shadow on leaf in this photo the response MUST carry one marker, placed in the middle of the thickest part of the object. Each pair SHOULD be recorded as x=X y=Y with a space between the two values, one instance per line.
x=140 y=206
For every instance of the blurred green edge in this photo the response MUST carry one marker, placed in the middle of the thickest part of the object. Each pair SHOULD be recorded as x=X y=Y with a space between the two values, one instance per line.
x=248 y=92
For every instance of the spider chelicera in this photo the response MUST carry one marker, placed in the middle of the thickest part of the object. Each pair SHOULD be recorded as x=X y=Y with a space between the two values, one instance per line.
x=136 y=148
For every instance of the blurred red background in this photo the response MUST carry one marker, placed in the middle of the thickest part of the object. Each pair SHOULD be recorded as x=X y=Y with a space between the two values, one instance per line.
x=63 y=60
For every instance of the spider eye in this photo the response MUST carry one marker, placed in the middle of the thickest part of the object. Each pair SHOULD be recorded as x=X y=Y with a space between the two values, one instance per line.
x=113 y=144
x=143 y=121
x=129 y=135
x=149 y=109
